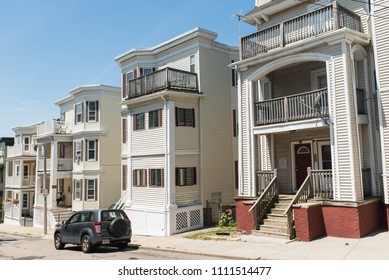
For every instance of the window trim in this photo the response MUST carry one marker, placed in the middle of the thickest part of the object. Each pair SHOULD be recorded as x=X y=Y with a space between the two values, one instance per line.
x=139 y=177
x=140 y=122
x=95 y=111
x=155 y=118
x=153 y=176
x=182 y=115
x=78 y=114
x=186 y=176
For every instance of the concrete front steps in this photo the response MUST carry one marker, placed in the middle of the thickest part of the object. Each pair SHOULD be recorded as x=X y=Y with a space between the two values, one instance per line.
x=61 y=214
x=276 y=224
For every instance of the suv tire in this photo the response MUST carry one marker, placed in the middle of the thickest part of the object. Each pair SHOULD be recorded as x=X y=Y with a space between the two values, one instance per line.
x=58 y=242
x=86 y=245
x=118 y=227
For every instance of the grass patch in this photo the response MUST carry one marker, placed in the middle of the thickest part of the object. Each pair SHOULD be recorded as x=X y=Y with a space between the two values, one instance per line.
x=220 y=233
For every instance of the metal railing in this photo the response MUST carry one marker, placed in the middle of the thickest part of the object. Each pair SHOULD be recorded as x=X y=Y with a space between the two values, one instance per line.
x=167 y=78
x=326 y=19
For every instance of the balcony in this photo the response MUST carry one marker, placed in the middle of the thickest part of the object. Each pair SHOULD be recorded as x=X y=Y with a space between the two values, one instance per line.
x=165 y=79
x=20 y=150
x=63 y=164
x=52 y=127
x=311 y=24
x=301 y=106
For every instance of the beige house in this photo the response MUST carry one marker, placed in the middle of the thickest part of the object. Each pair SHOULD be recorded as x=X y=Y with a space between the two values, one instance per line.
x=20 y=166
x=313 y=136
x=178 y=157
x=79 y=154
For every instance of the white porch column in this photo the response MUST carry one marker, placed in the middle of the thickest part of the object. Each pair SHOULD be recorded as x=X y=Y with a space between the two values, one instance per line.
x=53 y=173
x=344 y=128
x=170 y=163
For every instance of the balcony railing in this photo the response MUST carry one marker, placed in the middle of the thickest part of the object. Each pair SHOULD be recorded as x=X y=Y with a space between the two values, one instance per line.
x=52 y=127
x=20 y=150
x=168 y=78
x=311 y=24
x=63 y=164
x=291 y=108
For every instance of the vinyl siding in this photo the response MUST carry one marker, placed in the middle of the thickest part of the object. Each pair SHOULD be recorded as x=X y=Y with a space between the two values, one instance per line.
x=382 y=44
x=216 y=124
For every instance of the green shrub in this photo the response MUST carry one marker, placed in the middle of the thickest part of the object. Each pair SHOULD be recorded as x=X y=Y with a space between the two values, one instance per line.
x=226 y=219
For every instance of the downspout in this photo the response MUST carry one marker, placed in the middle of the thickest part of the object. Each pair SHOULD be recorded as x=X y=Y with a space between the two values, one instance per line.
x=167 y=168
x=240 y=150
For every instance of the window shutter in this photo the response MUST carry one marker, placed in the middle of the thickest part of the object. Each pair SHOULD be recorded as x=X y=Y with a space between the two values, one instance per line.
x=134 y=122
x=177 y=176
x=160 y=117
x=124 y=130
x=234 y=122
x=162 y=177
x=97 y=110
x=96 y=190
x=236 y=174
x=74 y=189
x=86 y=111
x=193 y=118
x=141 y=71
x=124 y=177
x=124 y=85
x=81 y=192
x=194 y=176
x=86 y=150
x=97 y=150
x=86 y=189
x=176 y=116
x=135 y=73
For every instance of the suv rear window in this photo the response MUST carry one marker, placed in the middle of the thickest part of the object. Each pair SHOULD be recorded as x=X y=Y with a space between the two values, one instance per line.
x=110 y=215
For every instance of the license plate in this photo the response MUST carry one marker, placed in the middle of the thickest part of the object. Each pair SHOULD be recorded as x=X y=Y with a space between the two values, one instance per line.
x=105 y=241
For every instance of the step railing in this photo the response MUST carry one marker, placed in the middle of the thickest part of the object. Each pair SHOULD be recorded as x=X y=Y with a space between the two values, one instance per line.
x=266 y=200
x=122 y=200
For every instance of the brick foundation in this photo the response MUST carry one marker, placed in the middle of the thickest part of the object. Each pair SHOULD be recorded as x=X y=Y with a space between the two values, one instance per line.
x=338 y=219
x=309 y=223
x=244 y=218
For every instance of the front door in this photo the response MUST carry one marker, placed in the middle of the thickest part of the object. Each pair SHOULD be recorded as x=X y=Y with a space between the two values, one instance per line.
x=303 y=160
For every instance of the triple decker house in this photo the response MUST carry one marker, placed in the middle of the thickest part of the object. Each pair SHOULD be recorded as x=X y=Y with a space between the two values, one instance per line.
x=313 y=102
x=179 y=144
x=20 y=167
x=78 y=155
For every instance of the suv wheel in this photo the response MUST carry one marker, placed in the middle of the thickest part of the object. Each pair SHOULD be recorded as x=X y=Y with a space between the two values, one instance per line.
x=58 y=242
x=118 y=227
x=86 y=245
x=123 y=245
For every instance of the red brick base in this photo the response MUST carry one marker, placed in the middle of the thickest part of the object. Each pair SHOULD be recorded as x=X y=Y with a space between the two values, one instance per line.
x=309 y=223
x=352 y=221
x=244 y=218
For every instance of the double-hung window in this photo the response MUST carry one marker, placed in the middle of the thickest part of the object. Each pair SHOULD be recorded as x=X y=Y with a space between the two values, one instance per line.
x=156 y=177
x=139 y=121
x=91 y=146
x=185 y=176
x=155 y=118
x=77 y=189
x=185 y=117
x=78 y=113
x=92 y=107
x=139 y=177
x=90 y=190
x=26 y=142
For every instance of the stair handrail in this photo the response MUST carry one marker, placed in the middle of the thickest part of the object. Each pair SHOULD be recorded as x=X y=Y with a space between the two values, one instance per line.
x=301 y=196
x=120 y=203
x=271 y=191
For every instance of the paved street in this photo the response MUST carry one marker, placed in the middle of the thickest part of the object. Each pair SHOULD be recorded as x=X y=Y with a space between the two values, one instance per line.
x=35 y=248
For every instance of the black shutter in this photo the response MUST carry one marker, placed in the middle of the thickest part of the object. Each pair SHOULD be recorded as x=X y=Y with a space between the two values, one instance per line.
x=176 y=116
x=86 y=190
x=96 y=190
x=86 y=111
x=97 y=150
x=193 y=118
x=97 y=111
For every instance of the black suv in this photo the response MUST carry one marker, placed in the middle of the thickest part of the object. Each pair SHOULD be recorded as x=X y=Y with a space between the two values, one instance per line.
x=91 y=228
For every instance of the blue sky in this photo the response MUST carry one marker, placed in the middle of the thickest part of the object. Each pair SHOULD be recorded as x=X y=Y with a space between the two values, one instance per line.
x=48 y=48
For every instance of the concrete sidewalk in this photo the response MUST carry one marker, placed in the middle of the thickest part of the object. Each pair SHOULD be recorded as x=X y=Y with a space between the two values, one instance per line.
x=372 y=247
